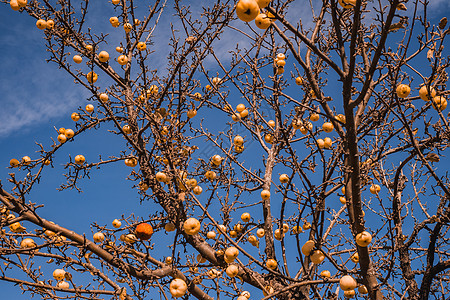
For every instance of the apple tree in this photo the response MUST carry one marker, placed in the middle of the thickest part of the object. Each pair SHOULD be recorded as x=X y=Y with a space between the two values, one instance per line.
x=286 y=150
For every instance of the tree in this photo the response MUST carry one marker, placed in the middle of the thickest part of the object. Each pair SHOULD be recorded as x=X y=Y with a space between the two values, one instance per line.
x=294 y=158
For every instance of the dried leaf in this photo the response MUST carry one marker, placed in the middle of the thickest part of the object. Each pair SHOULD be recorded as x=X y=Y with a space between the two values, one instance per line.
x=68 y=276
x=443 y=23
x=396 y=26
x=433 y=157
x=430 y=54
x=401 y=6
x=123 y=294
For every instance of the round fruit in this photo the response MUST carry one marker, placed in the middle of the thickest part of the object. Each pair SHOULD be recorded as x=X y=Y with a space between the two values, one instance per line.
x=103 y=56
x=211 y=235
x=325 y=274
x=355 y=258
x=362 y=289
x=260 y=232
x=104 y=97
x=423 y=93
x=41 y=24
x=349 y=294
x=375 y=189
x=169 y=227
x=62 y=138
x=216 y=160
x=122 y=60
x=230 y=254
x=58 y=274
x=232 y=271
x=347 y=283
x=77 y=59
x=317 y=257
x=298 y=81
x=327 y=127
x=439 y=103
x=141 y=46
x=169 y=260
x=178 y=288
x=265 y=194
x=284 y=178
x=308 y=247
x=144 y=231
x=27 y=243
x=271 y=264
x=247 y=10
x=79 y=159
x=314 y=117
x=161 y=177
x=14 y=162
x=99 y=237
x=26 y=160
x=116 y=223
x=238 y=140
x=75 y=117
x=245 y=217
x=197 y=190
x=191 y=226
x=403 y=90
x=91 y=77
x=347 y=3
x=262 y=21
x=363 y=239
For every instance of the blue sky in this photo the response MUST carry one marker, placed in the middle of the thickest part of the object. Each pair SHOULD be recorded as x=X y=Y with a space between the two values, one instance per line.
x=36 y=97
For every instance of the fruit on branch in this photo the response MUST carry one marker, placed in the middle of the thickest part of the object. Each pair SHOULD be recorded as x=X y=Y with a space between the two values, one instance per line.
x=211 y=175
x=99 y=237
x=363 y=239
x=216 y=160
x=197 y=190
x=26 y=160
x=17 y=227
x=58 y=274
x=297 y=229
x=260 y=232
x=14 y=162
x=131 y=162
x=327 y=127
x=308 y=247
x=114 y=21
x=271 y=264
x=327 y=142
x=403 y=90
x=265 y=194
x=41 y=24
x=279 y=235
x=268 y=290
x=347 y=283
x=178 y=288
x=103 y=56
x=230 y=254
x=317 y=257
x=168 y=260
x=141 y=46
x=191 y=226
x=92 y=77
x=191 y=113
x=320 y=143
x=79 y=159
x=362 y=289
x=161 y=177
x=27 y=243
x=144 y=231
x=280 y=70
x=341 y=118
x=243 y=113
x=247 y=10
x=75 y=117
x=281 y=62
x=69 y=133
x=262 y=21
x=211 y=235
x=268 y=138
x=355 y=258
x=245 y=217
x=50 y=24
x=280 y=56
x=14 y=5
x=126 y=129
x=77 y=59
x=122 y=60
x=375 y=189
x=325 y=274
x=238 y=140
x=439 y=103
x=285 y=228
x=347 y=3
x=103 y=97
x=116 y=223
x=63 y=284
x=314 y=117
x=284 y=178
x=127 y=27
x=62 y=138
x=119 y=49
x=298 y=81
x=343 y=200
x=306 y=226
x=423 y=93
x=349 y=294
x=232 y=270
x=216 y=81
x=89 y=108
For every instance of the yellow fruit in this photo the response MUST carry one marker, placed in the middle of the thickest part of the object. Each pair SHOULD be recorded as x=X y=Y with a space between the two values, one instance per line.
x=247 y=10
x=245 y=217
x=14 y=5
x=240 y=107
x=281 y=63
x=327 y=127
x=99 y=237
x=27 y=243
x=347 y=283
x=423 y=93
x=279 y=235
x=260 y=232
x=317 y=257
x=265 y=194
x=238 y=140
x=103 y=97
x=298 y=81
x=178 y=288
x=14 y=163
x=116 y=223
x=127 y=27
x=232 y=270
x=308 y=247
x=375 y=189
x=197 y=190
x=347 y=3
x=211 y=175
x=243 y=114
x=122 y=60
x=77 y=59
x=268 y=138
x=92 y=77
x=362 y=289
x=271 y=123
x=271 y=264
x=306 y=226
x=26 y=160
x=211 y=235
x=262 y=21
x=161 y=177
x=41 y=24
x=403 y=90
x=191 y=226
x=62 y=138
x=439 y=103
x=79 y=159
x=349 y=294
x=314 y=117
x=230 y=254
x=216 y=160
x=103 y=56
x=75 y=116
x=284 y=178
x=58 y=274
x=320 y=143
x=114 y=21
x=355 y=258
x=325 y=274
x=89 y=108
x=191 y=113
x=363 y=239
x=141 y=46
